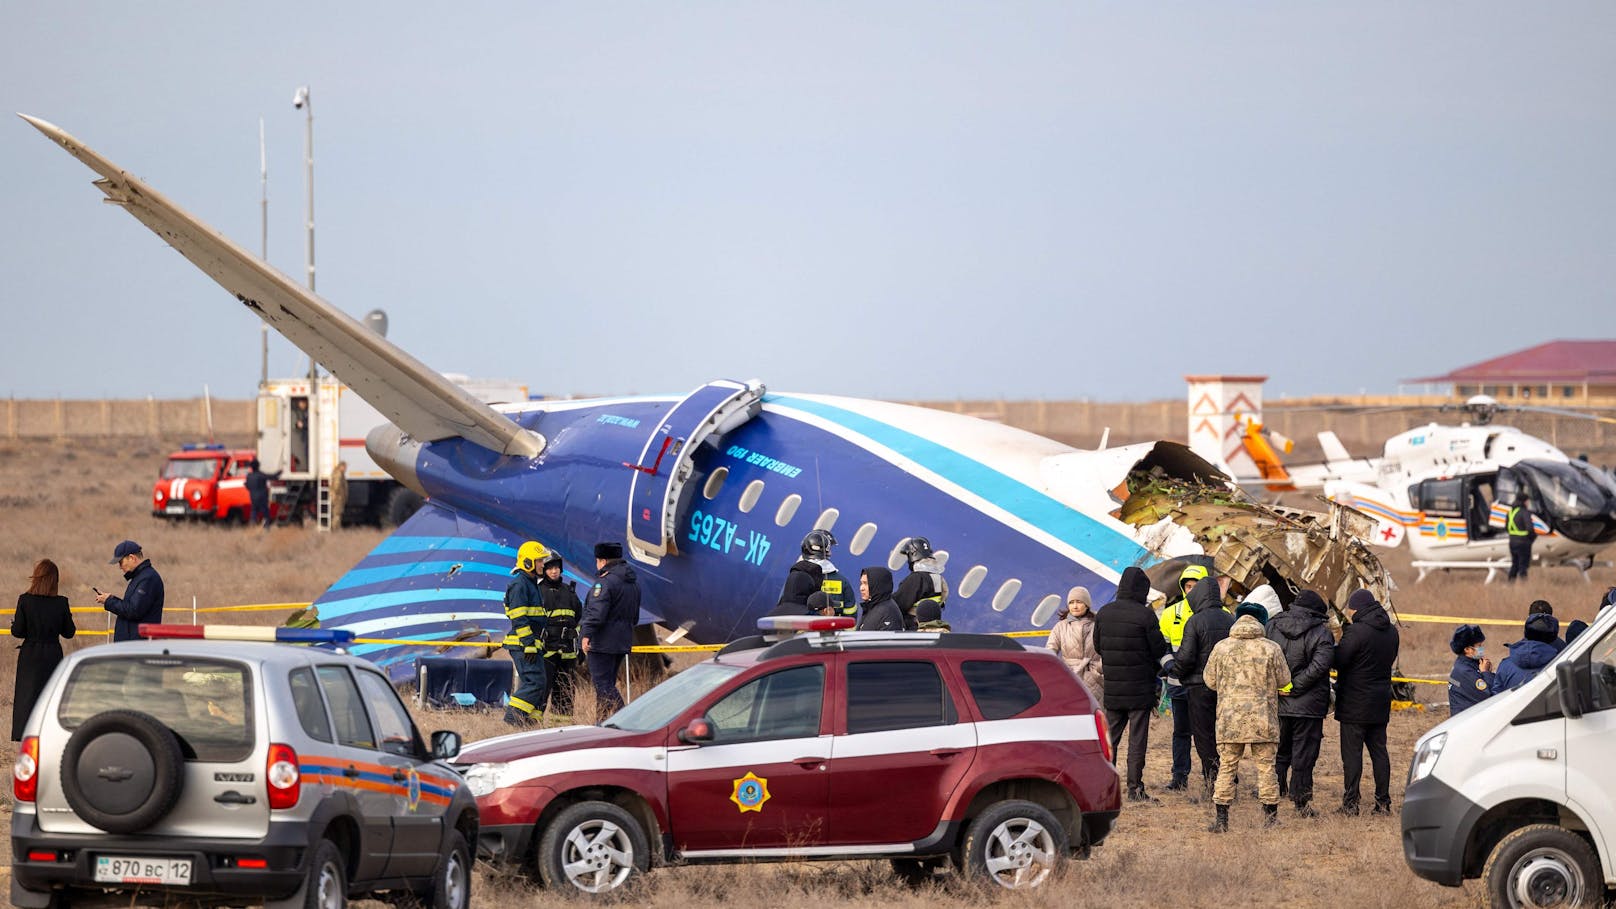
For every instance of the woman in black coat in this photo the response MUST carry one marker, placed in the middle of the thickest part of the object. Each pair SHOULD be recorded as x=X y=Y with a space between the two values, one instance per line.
x=42 y=620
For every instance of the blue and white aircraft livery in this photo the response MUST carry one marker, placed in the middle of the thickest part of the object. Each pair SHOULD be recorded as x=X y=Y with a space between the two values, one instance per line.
x=711 y=492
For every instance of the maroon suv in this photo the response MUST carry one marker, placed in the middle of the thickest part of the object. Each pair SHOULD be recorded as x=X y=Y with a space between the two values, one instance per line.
x=925 y=749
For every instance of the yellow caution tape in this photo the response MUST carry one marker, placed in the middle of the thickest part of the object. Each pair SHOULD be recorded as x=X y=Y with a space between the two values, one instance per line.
x=1455 y=620
x=255 y=607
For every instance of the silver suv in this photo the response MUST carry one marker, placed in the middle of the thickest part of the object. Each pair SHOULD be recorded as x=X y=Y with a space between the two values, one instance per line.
x=220 y=772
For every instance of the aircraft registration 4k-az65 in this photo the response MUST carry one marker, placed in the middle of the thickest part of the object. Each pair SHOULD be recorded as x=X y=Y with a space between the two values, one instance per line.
x=712 y=491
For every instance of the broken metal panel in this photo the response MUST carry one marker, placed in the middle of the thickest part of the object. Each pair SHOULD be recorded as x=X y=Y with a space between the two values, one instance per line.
x=1255 y=544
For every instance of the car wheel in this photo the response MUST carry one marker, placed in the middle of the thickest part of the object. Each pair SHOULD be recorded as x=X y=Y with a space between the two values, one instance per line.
x=122 y=771
x=325 y=882
x=1542 y=865
x=451 y=883
x=917 y=872
x=592 y=847
x=1015 y=844
x=402 y=504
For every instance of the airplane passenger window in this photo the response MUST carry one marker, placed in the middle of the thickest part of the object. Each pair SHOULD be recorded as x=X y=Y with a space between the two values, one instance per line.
x=750 y=496
x=942 y=558
x=715 y=482
x=1007 y=592
x=861 y=539
x=788 y=510
x=1046 y=610
x=896 y=559
x=827 y=519
x=972 y=580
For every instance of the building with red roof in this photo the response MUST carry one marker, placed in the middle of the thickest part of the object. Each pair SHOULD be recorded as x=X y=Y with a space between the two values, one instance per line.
x=1557 y=372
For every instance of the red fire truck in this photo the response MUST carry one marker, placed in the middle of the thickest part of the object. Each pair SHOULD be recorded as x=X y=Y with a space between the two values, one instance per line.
x=203 y=482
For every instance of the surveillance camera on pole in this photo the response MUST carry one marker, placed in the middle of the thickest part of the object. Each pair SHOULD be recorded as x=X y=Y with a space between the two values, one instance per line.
x=301 y=97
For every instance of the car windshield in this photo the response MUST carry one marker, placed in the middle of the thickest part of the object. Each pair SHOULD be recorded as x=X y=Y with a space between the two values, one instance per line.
x=190 y=469
x=661 y=704
x=208 y=703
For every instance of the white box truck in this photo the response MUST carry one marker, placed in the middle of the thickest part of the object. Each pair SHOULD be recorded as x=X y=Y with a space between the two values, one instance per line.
x=341 y=419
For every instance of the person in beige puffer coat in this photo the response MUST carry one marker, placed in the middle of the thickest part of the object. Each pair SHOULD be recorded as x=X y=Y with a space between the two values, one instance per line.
x=1072 y=639
x=1247 y=670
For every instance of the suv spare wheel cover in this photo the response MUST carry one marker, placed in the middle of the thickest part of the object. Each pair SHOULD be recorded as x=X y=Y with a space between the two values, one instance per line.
x=122 y=771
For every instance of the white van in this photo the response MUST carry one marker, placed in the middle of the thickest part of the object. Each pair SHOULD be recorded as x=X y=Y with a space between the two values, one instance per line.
x=1520 y=790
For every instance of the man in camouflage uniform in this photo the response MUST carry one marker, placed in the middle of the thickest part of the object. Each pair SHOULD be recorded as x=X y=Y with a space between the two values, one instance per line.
x=1247 y=670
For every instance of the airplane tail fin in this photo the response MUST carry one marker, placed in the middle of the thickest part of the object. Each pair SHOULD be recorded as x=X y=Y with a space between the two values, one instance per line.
x=418 y=400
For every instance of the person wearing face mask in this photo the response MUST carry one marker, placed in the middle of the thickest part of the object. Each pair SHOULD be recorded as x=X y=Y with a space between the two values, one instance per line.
x=1072 y=639
x=1472 y=679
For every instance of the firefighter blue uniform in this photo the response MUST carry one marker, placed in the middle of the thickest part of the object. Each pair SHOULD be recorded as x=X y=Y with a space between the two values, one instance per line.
x=560 y=635
x=524 y=607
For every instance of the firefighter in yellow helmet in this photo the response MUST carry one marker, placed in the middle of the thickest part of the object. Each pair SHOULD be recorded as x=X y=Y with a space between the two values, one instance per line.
x=524 y=607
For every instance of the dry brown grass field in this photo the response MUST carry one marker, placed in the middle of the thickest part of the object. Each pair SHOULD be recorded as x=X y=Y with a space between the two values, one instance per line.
x=72 y=501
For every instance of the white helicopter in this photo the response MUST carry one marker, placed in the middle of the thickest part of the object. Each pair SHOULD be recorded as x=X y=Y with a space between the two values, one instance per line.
x=1448 y=489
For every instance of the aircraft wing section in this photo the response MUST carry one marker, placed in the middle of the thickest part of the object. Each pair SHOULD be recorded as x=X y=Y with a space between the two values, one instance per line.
x=418 y=400
x=440 y=577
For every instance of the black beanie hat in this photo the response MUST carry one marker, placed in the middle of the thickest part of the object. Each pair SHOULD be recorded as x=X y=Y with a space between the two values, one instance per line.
x=1466 y=636
x=1360 y=599
x=928 y=611
x=1542 y=627
x=1308 y=601
x=608 y=550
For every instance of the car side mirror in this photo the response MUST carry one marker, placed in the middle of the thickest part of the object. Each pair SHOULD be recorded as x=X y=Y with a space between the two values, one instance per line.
x=1573 y=694
x=697 y=731
x=445 y=744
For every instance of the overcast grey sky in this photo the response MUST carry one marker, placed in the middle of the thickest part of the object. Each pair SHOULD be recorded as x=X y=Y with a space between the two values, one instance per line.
x=909 y=200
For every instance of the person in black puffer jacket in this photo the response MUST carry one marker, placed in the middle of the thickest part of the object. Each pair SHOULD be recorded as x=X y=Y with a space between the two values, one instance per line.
x=1132 y=650
x=1208 y=625
x=1363 y=698
x=803 y=580
x=880 y=612
x=1302 y=632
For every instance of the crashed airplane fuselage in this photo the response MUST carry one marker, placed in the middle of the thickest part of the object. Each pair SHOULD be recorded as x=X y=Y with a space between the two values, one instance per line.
x=711 y=492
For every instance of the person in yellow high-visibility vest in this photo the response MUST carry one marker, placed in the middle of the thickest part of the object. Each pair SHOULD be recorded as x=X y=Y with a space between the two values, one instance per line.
x=1521 y=536
x=1174 y=616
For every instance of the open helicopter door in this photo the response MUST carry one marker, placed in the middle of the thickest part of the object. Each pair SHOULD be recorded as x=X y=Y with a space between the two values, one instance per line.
x=665 y=465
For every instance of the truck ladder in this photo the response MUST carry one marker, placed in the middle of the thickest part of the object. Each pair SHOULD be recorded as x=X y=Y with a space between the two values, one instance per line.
x=322 y=504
